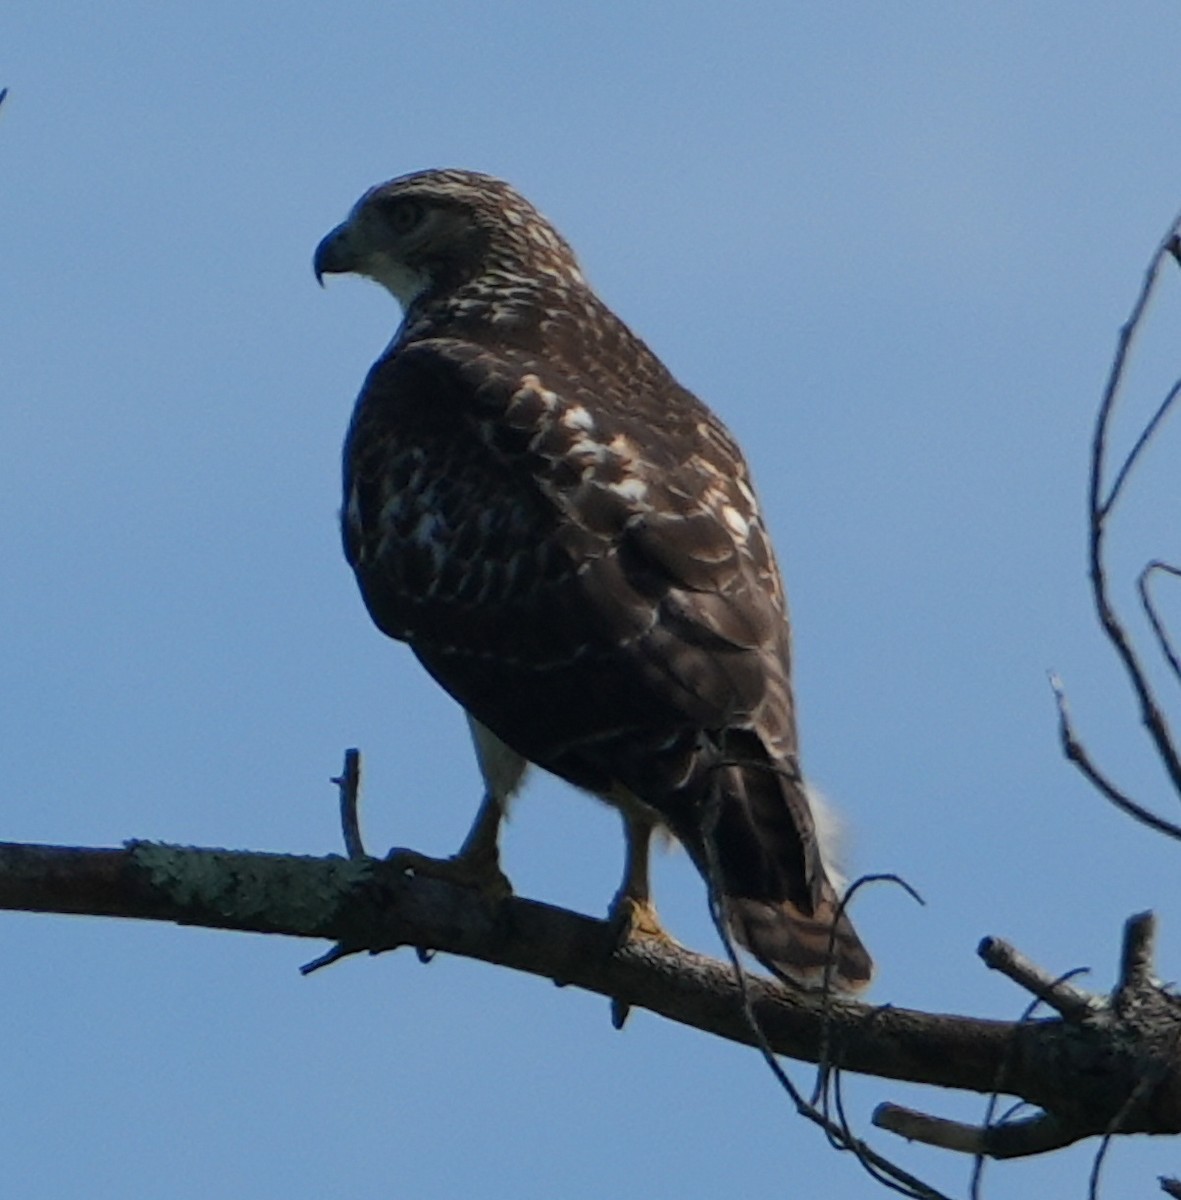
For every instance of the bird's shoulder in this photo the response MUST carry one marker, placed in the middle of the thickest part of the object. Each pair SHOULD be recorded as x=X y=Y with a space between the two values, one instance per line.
x=608 y=436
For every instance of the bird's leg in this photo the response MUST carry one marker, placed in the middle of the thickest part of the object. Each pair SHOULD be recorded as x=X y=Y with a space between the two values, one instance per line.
x=477 y=864
x=632 y=911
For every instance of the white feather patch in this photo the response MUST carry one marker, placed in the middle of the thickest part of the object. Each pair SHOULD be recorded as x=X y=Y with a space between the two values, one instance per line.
x=830 y=837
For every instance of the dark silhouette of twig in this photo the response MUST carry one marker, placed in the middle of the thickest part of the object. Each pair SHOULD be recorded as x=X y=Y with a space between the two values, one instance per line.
x=1158 y=627
x=1076 y=752
x=840 y=1136
x=349 y=783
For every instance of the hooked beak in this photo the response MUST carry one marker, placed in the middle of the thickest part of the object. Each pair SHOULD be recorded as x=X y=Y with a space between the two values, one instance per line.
x=334 y=255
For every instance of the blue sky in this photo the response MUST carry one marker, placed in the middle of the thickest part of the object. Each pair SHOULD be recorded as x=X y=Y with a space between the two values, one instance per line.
x=890 y=244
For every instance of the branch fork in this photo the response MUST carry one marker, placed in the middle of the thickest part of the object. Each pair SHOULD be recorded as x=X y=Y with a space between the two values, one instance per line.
x=1133 y=1033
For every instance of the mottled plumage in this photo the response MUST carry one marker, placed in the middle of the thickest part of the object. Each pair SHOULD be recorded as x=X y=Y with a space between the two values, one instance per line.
x=570 y=543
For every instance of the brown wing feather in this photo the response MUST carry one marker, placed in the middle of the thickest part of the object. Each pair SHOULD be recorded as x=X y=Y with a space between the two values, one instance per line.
x=489 y=525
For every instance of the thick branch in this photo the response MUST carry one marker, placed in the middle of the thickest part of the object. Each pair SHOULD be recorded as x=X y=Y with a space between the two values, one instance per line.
x=366 y=904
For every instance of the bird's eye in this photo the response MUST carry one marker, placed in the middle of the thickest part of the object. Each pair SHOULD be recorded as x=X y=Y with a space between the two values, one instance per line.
x=404 y=215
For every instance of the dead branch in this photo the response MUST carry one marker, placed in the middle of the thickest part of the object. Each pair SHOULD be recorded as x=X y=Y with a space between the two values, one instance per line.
x=1075 y=752
x=1102 y=499
x=1138 y=1012
x=349 y=784
x=1082 y=1069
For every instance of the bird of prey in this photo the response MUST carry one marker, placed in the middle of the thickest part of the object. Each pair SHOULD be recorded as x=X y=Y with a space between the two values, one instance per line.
x=570 y=543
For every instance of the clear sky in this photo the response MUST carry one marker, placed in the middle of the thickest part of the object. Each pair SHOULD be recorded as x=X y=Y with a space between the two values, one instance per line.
x=890 y=243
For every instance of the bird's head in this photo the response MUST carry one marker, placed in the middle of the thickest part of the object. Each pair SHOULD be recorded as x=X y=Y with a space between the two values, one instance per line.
x=433 y=232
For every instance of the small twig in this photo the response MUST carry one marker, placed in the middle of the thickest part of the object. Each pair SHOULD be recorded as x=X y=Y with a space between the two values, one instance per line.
x=335 y=954
x=1071 y=1002
x=1158 y=626
x=1137 y=449
x=879 y=1168
x=1137 y=955
x=349 y=783
x=1017 y=1139
x=1170 y=1186
x=1076 y=753
x=823 y=1071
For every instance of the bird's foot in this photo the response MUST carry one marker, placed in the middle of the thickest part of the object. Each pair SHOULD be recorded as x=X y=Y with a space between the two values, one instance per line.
x=478 y=872
x=633 y=918
x=636 y=917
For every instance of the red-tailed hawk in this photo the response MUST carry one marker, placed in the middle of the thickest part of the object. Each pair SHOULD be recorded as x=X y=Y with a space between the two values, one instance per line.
x=570 y=543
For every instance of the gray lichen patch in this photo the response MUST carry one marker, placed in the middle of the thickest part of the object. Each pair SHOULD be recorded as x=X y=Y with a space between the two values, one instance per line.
x=283 y=893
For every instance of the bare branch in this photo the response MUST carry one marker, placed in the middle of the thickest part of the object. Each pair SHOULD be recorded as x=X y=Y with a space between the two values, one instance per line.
x=1076 y=753
x=1015 y=1139
x=1137 y=956
x=349 y=783
x=1158 y=627
x=1100 y=506
x=1081 y=1071
x=1073 y=1003
x=1139 y=1008
x=1006 y=1138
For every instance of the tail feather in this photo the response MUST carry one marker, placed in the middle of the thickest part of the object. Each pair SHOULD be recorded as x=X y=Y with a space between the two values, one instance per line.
x=777 y=894
x=798 y=947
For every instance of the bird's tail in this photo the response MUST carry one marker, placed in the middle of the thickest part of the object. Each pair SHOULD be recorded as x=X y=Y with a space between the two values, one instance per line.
x=777 y=894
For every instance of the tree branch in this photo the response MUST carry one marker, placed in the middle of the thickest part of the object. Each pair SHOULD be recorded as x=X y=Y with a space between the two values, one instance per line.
x=1101 y=501
x=1084 y=1071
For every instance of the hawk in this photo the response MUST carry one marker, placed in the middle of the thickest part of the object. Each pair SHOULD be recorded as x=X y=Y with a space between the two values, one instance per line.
x=570 y=543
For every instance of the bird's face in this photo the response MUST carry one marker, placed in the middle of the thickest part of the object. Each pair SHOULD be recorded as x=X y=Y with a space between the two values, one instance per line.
x=402 y=237
x=436 y=230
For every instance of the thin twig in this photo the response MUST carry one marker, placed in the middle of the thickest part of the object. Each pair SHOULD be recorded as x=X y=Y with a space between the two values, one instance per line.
x=349 y=783
x=823 y=1072
x=879 y=1167
x=1158 y=626
x=1076 y=753
x=333 y=955
x=1145 y=437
